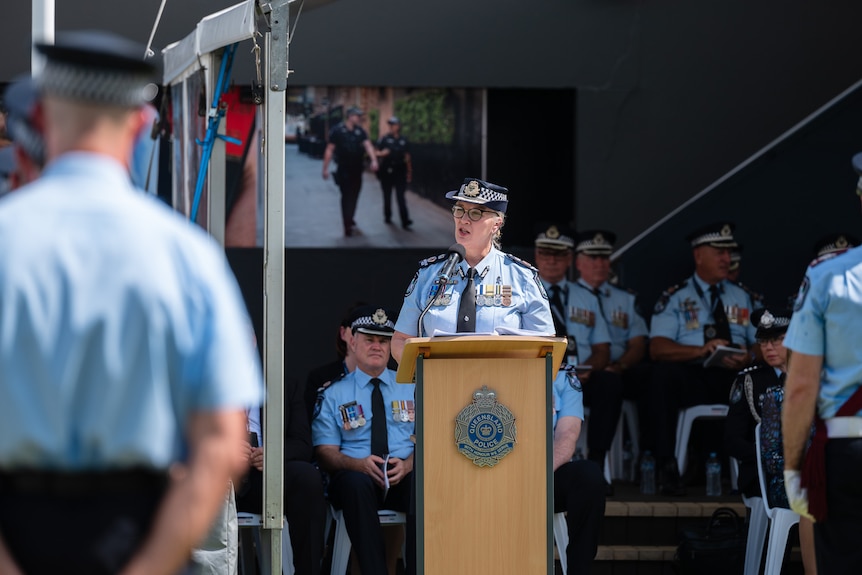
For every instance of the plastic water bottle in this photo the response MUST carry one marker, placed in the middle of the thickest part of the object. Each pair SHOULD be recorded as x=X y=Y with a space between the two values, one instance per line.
x=713 y=476
x=648 y=474
x=628 y=461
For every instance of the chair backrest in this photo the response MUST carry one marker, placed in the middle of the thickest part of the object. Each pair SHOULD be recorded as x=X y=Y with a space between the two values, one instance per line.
x=760 y=472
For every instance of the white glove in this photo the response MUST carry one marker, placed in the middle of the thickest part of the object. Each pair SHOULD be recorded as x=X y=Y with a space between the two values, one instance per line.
x=796 y=495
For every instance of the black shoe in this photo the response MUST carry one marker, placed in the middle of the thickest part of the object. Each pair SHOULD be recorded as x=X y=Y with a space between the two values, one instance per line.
x=671 y=483
x=388 y=220
x=406 y=225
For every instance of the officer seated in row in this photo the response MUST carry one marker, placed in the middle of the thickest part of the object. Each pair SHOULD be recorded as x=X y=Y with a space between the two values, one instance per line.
x=362 y=437
x=690 y=321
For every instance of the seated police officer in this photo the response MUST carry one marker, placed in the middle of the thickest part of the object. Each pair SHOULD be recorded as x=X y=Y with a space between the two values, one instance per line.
x=689 y=322
x=578 y=485
x=577 y=316
x=361 y=435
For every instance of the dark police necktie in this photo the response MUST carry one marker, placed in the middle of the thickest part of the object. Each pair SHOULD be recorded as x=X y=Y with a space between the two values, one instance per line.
x=467 y=306
x=558 y=311
x=598 y=293
x=379 y=439
x=722 y=326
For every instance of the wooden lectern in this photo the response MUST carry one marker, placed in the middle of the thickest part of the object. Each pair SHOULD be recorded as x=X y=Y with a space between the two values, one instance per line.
x=483 y=519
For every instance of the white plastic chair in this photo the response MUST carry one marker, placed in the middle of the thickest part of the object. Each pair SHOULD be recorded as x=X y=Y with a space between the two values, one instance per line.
x=683 y=428
x=264 y=552
x=780 y=520
x=341 y=545
x=757 y=524
x=561 y=539
x=629 y=419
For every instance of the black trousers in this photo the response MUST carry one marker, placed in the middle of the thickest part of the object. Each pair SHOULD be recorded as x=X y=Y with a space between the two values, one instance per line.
x=836 y=540
x=603 y=394
x=350 y=183
x=359 y=499
x=93 y=530
x=674 y=386
x=304 y=507
x=399 y=182
x=579 y=491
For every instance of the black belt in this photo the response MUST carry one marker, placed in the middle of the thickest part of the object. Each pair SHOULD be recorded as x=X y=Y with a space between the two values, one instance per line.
x=82 y=483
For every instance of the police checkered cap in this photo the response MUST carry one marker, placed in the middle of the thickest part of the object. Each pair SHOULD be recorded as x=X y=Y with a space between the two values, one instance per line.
x=476 y=191
x=554 y=237
x=373 y=320
x=717 y=235
x=834 y=243
x=97 y=67
x=596 y=242
x=771 y=325
x=20 y=100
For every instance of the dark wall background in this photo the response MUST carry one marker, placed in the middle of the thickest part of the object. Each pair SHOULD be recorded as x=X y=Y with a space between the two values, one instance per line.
x=670 y=96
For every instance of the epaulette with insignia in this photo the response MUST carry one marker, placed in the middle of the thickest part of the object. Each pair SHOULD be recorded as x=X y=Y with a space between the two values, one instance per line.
x=665 y=296
x=755 y=297
x=521 y=262
x=825 y=257
x=428 y=261
x=318 y=403
x=751 y=368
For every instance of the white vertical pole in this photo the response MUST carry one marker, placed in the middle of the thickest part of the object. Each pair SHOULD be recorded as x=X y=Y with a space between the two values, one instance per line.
x=42 y=31
x=273 y=270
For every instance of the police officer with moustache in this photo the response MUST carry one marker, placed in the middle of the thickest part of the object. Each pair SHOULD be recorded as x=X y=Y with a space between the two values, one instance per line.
x=348 y=145
x=361 y=436
x=396 y=171
x=689 y=322
x=578 y=316
x=824 y=384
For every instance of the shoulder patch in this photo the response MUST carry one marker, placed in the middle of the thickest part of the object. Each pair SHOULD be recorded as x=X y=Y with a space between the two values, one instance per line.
x=318 y=403
x=736 y=393
x=521 y=262
x=800 y=295
x=428 y=261
x=412 y=285
x=665 y=296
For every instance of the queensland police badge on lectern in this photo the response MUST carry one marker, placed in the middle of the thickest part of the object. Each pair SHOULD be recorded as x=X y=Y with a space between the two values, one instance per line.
x=485 y=429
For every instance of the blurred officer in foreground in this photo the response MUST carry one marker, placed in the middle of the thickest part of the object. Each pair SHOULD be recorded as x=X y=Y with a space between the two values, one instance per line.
x=689 y=322
x=824 y=384
x=125 y=348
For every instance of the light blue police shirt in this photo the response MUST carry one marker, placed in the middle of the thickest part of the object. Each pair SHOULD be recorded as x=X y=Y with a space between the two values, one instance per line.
x=682 y=311
x=825 y=322
x=118 y=320
x=584 y=321
x=508 y=293
x=568 y=395
x=622 y=318
x=353 y=394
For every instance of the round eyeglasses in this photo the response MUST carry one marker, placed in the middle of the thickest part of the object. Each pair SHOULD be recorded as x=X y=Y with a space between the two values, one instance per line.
x=474 y=214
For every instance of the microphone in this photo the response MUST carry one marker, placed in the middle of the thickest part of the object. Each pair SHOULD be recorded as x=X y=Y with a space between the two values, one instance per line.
x=456 y=254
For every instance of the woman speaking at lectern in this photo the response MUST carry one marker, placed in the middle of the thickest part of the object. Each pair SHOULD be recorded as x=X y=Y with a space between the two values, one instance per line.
x=474 y=287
